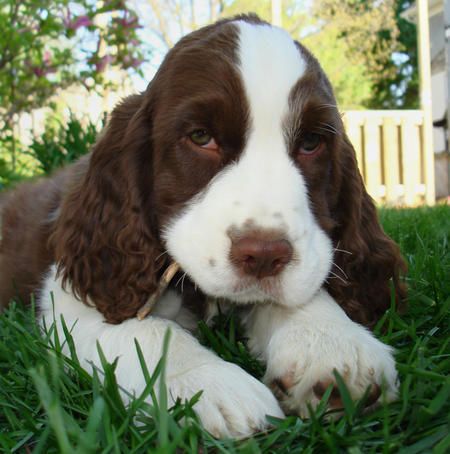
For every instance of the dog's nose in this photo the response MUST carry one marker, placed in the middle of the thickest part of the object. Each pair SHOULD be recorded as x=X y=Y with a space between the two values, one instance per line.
x=260 y=257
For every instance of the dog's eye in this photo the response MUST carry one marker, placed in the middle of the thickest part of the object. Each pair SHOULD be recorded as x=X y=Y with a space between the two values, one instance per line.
x=311 y=143
x=202 y=138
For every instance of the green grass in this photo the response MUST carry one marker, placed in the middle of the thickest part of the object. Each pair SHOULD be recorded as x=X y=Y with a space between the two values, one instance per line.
x=48 y=403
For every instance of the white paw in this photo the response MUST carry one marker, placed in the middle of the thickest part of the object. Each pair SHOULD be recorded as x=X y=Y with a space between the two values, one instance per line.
x=232 y=404
x=301 y=361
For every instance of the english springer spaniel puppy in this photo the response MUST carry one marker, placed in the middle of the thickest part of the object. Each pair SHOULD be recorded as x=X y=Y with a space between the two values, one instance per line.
x=234 y=163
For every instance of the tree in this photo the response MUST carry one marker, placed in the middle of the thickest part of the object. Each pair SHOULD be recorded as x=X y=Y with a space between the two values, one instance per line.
x=380 y=42
x=344 y=35
x=47 y=45
x=354 y=40
x=401 y=88
x=172 y=19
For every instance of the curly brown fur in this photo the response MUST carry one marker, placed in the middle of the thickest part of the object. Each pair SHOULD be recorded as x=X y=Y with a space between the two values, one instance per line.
x=103 y=241
x=367 y=261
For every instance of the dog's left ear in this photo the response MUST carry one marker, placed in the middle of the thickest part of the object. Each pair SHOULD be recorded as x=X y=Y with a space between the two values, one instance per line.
x=366 y=261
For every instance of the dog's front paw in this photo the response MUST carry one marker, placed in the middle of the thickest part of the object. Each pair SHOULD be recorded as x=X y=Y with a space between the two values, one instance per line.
x=301 y=365
x=232 y=404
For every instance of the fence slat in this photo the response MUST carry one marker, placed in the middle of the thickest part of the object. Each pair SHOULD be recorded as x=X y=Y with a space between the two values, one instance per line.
x=391 y=161
x=394 y=159
x=372 y=158
x=411 y=161
x=353 y=127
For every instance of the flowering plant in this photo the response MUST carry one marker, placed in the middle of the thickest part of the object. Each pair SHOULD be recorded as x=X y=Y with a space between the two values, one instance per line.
x=46 y=45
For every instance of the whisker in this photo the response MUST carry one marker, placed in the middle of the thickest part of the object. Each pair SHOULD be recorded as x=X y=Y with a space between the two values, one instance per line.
x=329 y=125
x=328 y=128
x=181 y=280
x=318 y=128
x=340 y=269
x=160 y=255
x=337 y=277
x=326 y=106
x=343 y=250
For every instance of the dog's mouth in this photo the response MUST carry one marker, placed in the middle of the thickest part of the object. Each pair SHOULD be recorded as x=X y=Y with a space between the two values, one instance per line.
x=250 y=290
x=245 y=291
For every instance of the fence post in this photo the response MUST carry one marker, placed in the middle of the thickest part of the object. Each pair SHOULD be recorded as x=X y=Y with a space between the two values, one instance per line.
x=277 y=13
x=423 y=36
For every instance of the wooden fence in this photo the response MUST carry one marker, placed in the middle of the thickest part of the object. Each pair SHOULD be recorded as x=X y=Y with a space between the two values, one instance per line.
x=396 y=163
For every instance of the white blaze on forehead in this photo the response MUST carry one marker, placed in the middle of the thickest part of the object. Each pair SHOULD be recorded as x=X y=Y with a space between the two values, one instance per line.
x=264 y=188
x=270 y=64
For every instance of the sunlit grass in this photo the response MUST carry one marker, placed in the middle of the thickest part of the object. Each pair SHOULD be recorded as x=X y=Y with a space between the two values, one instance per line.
x=48 y=403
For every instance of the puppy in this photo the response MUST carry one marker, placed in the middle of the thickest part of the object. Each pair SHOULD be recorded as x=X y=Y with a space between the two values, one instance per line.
x=235 y=164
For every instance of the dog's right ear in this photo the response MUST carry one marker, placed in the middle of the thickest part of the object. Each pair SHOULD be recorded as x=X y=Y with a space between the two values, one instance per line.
x=370 y=261
x=106 y=246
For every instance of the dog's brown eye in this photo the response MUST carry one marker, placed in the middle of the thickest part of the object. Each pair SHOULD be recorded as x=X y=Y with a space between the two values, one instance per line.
x=311 y=143
x=201 y=137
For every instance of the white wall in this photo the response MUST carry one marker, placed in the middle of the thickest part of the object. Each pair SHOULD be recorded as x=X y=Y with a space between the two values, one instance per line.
x=439 y=107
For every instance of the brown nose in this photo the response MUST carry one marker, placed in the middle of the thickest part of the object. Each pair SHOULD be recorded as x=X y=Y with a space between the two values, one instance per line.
x=260 y=258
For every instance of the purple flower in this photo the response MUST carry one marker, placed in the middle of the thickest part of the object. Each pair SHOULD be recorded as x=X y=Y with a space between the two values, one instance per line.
x=135 y=62
x=76 y=22
x=131 y=62
x=38 y=72
x=81 y=21
x=102 y=62
x=131 y=22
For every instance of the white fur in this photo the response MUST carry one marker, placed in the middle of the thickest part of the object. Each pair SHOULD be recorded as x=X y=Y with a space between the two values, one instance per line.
x=233 y=402
x=305 y=344
x=264 y=186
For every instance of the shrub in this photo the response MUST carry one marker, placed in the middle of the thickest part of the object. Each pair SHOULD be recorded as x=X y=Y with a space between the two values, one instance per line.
x=62 y=144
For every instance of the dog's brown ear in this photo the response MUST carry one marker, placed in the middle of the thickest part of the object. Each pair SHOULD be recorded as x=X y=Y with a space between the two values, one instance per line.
x=366 y=261
x=105 y=241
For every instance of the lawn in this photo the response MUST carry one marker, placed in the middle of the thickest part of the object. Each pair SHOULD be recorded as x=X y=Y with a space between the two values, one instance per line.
x=50 y=404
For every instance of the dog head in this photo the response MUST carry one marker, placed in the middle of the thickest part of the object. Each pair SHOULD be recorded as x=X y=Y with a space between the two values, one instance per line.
x=235 y=163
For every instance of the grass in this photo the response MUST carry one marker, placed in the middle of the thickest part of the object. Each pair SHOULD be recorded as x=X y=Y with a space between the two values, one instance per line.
x=48 y=403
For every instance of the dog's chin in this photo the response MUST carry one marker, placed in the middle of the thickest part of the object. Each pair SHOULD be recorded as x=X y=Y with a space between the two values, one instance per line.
x=238 y=290
x=248 y=293
x=251 y=296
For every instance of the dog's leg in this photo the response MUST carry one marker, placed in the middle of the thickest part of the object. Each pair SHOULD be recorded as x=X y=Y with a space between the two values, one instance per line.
x=302 y=346
x=233 y=403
